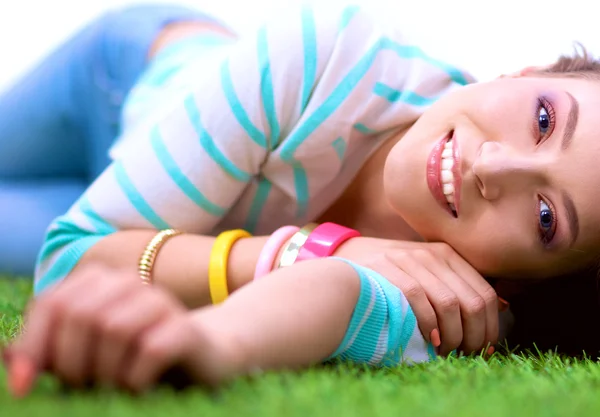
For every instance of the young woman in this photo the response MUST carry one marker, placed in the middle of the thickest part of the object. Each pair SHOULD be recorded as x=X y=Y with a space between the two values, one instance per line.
x=327 y=116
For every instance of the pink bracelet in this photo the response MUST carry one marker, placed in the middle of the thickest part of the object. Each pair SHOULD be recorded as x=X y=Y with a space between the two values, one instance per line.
x=271 y=248
x=324 y=240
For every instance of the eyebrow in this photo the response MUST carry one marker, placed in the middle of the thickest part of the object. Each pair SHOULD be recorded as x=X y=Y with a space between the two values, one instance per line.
x=572 y=217
x=571 y=122
x=569 y=132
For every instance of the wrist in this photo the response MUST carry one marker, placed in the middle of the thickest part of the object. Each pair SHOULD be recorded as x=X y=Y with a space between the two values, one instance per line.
x=352 y=248
x=242 y=261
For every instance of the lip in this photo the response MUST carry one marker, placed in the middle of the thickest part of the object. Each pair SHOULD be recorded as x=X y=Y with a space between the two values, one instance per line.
x=434 y=179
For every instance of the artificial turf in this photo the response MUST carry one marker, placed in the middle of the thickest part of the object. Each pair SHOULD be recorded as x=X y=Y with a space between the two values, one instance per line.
x=504 y=385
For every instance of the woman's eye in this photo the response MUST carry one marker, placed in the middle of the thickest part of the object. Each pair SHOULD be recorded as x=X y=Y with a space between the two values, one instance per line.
x=547 y=222
x=543 y=120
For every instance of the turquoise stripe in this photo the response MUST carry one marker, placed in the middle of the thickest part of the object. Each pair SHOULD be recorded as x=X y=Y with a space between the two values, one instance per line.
x=61 y=233
x=100 y=225
x=266 y=82
x=408 y=327
x=372 y=330
x=325 y=110
x=208 y=143
x=178 y=177
x=260 y=199
x=409 y=97
x=160 y=76
x=193 y=46
x=237 y=109
x=347 y=15
x=301 y=186
x=364 y=129
x=411 y=51
x=393 y=301
x=65 y=263
x=309 y=39
x=364 y=299
x=339 y=145
x=136 y=199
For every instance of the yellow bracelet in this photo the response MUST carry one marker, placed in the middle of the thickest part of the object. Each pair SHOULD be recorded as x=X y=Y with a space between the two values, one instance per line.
x=217 y=267
x=146 y=263
x=292 y=248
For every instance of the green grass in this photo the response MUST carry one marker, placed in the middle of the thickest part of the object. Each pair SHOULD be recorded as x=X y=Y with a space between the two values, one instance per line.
x=541 y=385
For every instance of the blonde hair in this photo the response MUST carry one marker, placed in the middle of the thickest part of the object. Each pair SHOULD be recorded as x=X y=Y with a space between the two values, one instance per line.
x=581 y=64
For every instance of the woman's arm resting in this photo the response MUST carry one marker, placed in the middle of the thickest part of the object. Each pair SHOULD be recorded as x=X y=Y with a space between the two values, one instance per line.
x=106 y=327
x=182 y=264
x=315 y=311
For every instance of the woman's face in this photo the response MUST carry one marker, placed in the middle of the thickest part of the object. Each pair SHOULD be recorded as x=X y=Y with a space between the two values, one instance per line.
x=517 y=190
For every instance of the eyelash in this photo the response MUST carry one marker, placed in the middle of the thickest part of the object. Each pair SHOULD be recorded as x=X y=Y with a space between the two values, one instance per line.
x=544 y=103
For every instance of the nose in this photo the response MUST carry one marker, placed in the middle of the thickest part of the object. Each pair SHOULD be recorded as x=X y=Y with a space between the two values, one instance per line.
x=498 y=169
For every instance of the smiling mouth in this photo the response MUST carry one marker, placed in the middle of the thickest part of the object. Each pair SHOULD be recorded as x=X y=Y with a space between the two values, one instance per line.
x=443 y=174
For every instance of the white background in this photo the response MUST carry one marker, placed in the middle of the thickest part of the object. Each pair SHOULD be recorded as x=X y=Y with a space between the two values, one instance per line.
x=487 y=38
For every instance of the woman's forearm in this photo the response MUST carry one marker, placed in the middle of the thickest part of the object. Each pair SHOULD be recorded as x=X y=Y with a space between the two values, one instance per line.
x=292 y=318
x=182 y=263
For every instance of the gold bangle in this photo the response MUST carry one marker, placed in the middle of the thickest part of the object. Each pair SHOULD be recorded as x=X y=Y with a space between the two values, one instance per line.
x=148 y=257
x=217 y=266
x=292 y=248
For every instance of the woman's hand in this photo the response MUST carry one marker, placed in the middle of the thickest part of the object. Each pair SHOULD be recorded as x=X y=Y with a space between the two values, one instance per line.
x=450 y=299
x=108 y=329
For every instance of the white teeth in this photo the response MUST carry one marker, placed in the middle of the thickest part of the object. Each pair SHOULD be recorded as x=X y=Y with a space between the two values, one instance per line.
x=447 y=164
x=447 y=176
x=448 y=189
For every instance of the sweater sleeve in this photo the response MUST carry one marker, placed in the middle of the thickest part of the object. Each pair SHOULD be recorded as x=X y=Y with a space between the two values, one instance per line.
x=187 y=169
x=383 y=329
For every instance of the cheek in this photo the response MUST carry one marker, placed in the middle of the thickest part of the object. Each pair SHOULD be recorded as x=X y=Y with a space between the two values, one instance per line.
x=493 y=243
x=498 y=112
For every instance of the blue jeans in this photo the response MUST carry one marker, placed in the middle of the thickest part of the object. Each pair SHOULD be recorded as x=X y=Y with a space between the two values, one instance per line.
x=58 y=122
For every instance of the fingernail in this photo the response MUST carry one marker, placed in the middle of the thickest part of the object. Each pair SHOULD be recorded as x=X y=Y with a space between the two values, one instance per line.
x=5 y=355
x=435 y=338
x=503 y=305
x=21 y=375
x=491 y=350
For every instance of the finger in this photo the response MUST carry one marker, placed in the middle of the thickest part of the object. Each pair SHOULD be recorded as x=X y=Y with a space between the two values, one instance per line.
x=77 y=326
x=444 y=301
x=487 y=294
x=159 y=349
x=472 y=307
x=22 y=373
x=414 y=293
x=123 y=326
x=34 y=341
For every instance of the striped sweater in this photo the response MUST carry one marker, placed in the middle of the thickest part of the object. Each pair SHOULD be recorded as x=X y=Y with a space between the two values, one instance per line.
x=255 y=134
